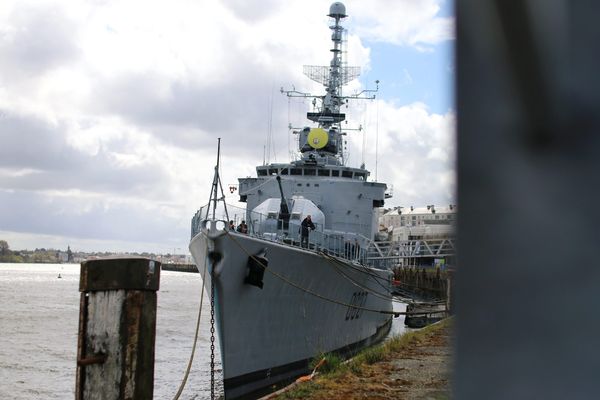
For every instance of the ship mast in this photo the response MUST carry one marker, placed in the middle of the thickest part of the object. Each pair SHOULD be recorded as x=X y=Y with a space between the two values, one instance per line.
x=333 y=77
x=216 y=185
x=331 y=101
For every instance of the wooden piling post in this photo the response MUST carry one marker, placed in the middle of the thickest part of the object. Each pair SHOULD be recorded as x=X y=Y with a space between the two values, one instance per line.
x=117 y=324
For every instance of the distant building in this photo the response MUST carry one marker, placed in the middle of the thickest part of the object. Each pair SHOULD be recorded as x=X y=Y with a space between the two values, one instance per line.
x=62 y=256
x=430 y=222
x=70 y=258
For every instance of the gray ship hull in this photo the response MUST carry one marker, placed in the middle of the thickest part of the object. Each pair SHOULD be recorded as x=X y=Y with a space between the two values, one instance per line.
x=269 y=335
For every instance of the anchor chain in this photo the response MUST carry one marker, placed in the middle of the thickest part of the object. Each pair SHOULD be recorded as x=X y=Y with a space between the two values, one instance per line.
x=212 y=335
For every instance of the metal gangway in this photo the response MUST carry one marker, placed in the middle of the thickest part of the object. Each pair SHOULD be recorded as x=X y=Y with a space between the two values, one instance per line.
x=392 y=253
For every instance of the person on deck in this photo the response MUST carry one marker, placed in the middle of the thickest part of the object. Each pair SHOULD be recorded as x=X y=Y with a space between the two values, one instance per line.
x=306 y=223
x=242 y=228
x=231 y=226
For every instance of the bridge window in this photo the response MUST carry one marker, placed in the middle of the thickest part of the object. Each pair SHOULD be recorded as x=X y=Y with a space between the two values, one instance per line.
x=359 y=176
x=284 y=171
x=346 y=174
x=310 y=172
x=296 y=171
x=273 y=171
x=262 y=172
x=323 y=172
x=335 y=172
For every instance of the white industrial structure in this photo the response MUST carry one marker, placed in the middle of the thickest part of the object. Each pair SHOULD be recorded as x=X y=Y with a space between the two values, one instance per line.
x=409 y=223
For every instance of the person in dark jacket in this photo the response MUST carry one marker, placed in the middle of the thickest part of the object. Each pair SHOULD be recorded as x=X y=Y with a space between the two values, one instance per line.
x=242 y=228
x=306 y=224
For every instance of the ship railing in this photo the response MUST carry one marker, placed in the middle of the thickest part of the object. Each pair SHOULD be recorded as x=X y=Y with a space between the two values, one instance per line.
x=234 y=213
x=345 y=245
x=197 y=222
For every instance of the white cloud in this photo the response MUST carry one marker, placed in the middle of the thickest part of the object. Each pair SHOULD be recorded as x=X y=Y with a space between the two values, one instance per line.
x=413 y=149
x=110 y=110
x=403 y=22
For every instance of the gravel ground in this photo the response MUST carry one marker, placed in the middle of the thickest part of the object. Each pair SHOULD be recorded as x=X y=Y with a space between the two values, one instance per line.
x=423 y=372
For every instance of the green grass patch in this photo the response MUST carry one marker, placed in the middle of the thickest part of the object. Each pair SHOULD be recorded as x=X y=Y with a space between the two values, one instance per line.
x=332 y=362
x=301 y=391
x=400 y=342
x=372 y=355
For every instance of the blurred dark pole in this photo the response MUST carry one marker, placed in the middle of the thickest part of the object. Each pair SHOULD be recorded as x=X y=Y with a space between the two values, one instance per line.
x=528 y=280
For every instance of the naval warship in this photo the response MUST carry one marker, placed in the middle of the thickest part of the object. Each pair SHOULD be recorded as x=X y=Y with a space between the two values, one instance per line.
x=279 y=301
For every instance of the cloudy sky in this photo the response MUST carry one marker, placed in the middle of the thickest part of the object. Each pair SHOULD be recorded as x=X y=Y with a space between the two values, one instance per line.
x=110 y=110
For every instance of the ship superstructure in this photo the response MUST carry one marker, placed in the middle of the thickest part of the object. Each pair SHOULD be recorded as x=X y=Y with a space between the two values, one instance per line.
x=317 y=182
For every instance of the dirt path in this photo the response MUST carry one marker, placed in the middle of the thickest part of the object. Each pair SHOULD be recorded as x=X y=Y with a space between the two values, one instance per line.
x=419 y=369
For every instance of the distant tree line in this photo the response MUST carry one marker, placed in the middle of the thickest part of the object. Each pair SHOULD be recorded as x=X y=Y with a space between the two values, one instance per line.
x=26 y=256
x=54 y=256
x=6 y=255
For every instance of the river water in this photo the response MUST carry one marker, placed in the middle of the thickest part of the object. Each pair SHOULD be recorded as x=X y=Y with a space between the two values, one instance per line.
x=39 y=315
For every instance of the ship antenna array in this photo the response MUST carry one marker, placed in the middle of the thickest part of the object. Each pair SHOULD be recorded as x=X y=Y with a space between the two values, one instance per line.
x=333 y=77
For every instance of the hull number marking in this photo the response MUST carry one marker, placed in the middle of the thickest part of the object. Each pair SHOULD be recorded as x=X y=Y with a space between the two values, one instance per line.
x=358 y=300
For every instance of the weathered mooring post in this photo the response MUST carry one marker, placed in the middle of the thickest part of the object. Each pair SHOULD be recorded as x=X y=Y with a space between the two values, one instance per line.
x=117 y=323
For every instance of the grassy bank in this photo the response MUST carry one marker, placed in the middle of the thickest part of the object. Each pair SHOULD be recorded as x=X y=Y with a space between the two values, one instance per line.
x=374 y=372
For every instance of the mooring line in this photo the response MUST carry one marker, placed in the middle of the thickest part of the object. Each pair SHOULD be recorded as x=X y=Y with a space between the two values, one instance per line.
x=335 y=261
x=317 y=295
x=189 y=367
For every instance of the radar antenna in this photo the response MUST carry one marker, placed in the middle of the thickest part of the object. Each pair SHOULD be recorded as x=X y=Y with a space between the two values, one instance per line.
x=333 y=77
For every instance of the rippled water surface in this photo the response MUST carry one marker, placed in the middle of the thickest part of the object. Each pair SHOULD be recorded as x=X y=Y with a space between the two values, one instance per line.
x=39 y=314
